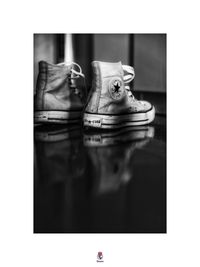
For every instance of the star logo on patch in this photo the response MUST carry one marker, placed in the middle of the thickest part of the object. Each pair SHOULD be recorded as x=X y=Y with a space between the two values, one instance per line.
x=116 y=89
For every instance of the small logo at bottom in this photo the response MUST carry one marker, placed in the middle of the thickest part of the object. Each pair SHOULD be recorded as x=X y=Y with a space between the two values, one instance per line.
x=100 y=257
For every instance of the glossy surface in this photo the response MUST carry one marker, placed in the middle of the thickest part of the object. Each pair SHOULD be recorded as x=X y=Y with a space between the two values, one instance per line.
x=100 y=182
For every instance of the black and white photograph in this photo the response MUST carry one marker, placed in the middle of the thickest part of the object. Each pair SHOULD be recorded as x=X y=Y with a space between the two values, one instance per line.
x=100 y=133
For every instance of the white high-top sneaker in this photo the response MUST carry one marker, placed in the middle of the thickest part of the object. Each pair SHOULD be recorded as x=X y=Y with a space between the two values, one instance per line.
x=111 y=103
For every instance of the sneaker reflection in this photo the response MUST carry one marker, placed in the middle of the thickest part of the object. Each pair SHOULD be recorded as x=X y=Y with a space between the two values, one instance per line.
x=110 y=154
x=58 y=152
x=59 y=159
x=79 y=178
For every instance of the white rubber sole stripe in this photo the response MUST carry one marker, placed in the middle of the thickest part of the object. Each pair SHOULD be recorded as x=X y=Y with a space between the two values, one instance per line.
x=57 y=116
x=118 y=121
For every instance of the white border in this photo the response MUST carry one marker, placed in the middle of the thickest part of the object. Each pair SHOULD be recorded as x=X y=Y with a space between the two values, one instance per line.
x=19 y=20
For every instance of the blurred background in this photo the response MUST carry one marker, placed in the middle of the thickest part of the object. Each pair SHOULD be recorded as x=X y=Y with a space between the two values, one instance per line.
x=146 y=52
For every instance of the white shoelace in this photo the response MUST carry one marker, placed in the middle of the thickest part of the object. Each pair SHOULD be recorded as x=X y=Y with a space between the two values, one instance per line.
x=129 y=75
x=77 y=74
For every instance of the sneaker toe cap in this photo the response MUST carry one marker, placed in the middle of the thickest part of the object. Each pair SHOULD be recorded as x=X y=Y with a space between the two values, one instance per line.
x=146 y=105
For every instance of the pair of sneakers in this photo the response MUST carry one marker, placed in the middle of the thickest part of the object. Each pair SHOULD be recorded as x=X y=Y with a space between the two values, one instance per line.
x=109 y=104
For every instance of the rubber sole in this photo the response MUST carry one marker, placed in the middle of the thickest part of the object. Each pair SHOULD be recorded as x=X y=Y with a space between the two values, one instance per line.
x=57 y=117
x=117 y=121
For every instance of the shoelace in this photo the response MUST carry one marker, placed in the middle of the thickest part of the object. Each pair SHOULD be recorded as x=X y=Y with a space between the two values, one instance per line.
x=75 y=74
x=129 y=75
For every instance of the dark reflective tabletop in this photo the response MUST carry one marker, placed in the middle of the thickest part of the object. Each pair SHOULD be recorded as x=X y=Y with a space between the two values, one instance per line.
x=100 y=181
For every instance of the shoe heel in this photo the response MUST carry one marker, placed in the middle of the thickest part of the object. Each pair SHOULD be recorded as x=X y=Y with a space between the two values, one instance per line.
x=92 y=121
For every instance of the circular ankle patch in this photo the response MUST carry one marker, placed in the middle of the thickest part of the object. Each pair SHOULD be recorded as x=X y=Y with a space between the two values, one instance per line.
x=116 y=88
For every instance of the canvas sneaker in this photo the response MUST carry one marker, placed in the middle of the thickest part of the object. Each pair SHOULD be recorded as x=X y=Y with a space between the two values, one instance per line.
x=57 y=99
x=110 y=103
